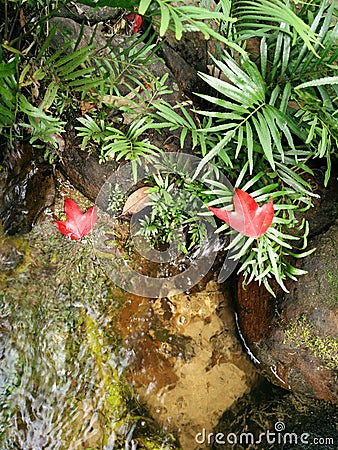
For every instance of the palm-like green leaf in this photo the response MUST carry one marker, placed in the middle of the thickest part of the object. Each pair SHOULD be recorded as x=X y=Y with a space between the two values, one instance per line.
x=180 y=17
x=327 y=33
x=42 y=125
x=324 y=81
x=128 y=145
x=244 y=114
x=8 y=92
x=253 y=14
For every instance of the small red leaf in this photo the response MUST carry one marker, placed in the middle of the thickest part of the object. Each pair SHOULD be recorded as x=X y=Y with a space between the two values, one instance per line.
x=78 y=224
x=248 y=218
x=136 y=22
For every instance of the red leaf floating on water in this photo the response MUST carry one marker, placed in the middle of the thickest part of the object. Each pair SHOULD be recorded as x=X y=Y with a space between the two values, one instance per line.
x=78 y=224
x=248 y=218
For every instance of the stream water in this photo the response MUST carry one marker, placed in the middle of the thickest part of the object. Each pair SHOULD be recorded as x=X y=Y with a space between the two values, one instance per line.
x=61 y=366
x=84 y=365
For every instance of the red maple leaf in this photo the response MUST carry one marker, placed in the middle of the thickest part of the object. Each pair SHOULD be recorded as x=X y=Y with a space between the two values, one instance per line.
x=136 y=22
x=78 y=224
x=248 y=218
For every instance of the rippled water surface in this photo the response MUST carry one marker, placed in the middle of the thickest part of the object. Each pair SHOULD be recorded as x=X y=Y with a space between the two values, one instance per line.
x=62 y=363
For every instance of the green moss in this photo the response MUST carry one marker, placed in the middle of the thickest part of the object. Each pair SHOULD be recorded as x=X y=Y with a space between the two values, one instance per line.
x=332 y=279
x=303 y=334
x=15 y=256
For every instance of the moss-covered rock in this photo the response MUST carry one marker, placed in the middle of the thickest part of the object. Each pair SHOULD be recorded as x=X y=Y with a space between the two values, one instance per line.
x=295 y=338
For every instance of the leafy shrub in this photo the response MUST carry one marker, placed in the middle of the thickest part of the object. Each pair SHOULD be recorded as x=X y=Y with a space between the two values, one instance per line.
x=270 y=111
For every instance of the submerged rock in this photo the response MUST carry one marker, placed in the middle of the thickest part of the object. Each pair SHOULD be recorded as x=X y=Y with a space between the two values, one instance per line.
x=62 y=382
x=188 y=365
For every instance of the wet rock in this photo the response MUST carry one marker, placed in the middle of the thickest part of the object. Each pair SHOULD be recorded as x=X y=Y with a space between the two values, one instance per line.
x=192 y=47
x=67 y=29
x=294 y=337
x=83 y=169
x=28 y=190
x=184 y=72
x=83 y=13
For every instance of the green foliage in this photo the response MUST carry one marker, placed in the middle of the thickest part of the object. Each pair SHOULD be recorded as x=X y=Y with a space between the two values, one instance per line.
x=8 y=93
x=175 y=206
x=167 y=116
x=181 y=17
x=91 y=130
x=267 y=257
x=250 y=118
x=74 y=72
x=127 y=145
x=255 y=106
x=127 y=4
x=41 y=125
x=259 y=17
x=66 y=77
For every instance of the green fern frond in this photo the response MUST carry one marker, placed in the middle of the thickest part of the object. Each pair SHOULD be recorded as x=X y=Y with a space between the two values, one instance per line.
x=252 y=14
x=247 y=116
x=42 y=126
x=180 y=17
x=8 y=93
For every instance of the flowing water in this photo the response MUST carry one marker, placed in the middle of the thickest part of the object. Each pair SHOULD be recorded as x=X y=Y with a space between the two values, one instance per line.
x=84 y=365
x=62 y=362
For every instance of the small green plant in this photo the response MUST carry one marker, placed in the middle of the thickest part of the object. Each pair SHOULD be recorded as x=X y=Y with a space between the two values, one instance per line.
x=116 y=198
x=92 y=131
x=175 y=206
x=127 y=144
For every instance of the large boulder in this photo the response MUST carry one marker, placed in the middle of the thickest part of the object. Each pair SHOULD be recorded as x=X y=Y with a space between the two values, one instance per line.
x=294 y=337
